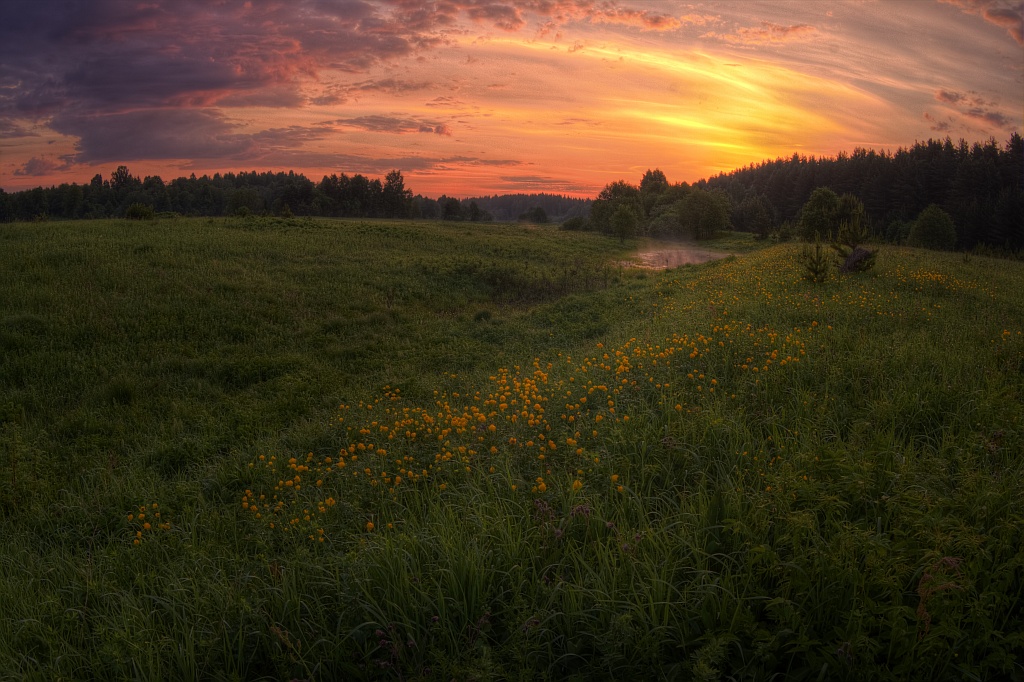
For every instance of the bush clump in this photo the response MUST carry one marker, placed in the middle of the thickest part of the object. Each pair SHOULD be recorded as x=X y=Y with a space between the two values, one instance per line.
x=933 y=229
x=140 y=212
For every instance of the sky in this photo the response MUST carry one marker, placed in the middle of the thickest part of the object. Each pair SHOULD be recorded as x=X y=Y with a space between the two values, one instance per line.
x=479 y=97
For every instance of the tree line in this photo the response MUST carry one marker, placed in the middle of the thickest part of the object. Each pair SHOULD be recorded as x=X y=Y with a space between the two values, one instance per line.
x=242 y=193
x=532 y=207
x=656 y=208
x=979 y=187
x=124 y=195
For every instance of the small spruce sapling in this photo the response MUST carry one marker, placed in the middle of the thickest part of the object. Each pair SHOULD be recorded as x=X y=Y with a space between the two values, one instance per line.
x=852 y=257
x=815 y=261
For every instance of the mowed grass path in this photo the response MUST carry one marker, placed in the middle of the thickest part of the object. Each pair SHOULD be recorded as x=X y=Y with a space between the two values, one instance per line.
x=318 y=449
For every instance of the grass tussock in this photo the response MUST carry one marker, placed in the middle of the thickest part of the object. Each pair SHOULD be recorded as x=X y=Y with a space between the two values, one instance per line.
x=323 y=450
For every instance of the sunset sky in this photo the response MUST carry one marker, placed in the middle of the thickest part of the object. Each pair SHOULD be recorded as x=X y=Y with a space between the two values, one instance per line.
x=476 y=97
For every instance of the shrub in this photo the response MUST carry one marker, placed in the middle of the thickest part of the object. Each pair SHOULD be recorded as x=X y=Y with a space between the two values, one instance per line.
x=933 y=229
x=578 y=223
x=898 y=231
x=140 y=212
x=665 y=225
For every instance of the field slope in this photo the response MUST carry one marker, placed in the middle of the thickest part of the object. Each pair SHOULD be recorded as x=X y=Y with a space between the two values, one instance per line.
x=277 y=449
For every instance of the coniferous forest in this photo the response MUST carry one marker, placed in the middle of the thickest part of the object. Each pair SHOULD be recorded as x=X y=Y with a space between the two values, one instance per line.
x=981 y=186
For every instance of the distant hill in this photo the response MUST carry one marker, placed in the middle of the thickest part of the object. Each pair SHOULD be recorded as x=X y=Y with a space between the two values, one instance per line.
x=510 y=206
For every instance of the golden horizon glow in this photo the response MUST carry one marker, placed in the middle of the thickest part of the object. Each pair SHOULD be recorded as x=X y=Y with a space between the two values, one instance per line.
x=563 y=103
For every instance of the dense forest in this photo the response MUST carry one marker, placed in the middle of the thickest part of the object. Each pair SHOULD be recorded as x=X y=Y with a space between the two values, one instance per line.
x=979 y=188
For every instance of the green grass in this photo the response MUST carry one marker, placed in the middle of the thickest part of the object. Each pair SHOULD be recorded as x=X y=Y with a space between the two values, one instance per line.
x=768 y=477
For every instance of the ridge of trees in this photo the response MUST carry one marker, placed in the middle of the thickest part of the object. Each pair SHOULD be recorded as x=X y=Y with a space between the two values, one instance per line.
x=222 y=194
x=656 y=208
x=253 y=193
x=980 y=186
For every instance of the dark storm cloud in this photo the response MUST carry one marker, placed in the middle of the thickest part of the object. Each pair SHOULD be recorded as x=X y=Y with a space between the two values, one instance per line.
x=153 y=134
x=111 y=56
x=151 y=80
x=114 y=55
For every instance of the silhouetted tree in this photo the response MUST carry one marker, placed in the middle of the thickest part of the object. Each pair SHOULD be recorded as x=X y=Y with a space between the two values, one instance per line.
x=703 y=214
x=612 y=197
x=820 y=214
x=624 y=222
x=451 y=208
x=933 y=229
x=396 y=199
x=534 y=215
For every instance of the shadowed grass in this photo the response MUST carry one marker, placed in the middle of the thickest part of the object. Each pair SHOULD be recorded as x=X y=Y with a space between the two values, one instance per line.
x=717 y=472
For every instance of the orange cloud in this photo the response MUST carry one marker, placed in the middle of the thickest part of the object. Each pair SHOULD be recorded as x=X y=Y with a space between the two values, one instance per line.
x=767 y=33
x=645 y=19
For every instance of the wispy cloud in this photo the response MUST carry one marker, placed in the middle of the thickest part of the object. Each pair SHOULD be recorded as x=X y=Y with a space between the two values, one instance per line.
x=1008 y=14
x=972 y=105
x=936 y=125
x=394 y=125
x=767 y=33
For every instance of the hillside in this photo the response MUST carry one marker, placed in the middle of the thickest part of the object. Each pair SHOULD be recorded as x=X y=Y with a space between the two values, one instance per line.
x=322 y=449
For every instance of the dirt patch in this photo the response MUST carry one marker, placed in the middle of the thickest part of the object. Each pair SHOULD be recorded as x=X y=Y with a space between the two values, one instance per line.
x=672 y=256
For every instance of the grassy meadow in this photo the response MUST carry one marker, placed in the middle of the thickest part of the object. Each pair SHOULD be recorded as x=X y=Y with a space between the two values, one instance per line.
x=319 y=449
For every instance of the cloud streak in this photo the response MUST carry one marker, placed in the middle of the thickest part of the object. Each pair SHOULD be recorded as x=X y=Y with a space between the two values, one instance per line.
x=767 y=33
x=1007 y=14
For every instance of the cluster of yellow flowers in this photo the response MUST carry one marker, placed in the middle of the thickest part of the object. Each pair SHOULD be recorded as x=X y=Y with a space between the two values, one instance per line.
x=286 y=506
x=145 y=521
x=545 y=426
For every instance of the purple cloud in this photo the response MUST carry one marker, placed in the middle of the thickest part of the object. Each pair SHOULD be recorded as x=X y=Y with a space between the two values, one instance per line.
x=1008 y=14
x=41 y=166
x=937 y=125
x=153 y=134
x=948 y=97
x=391 y=124
x=972 y=105
x=992 y=118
